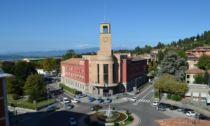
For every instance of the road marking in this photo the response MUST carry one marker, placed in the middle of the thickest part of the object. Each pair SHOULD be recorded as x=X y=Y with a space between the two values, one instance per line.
x=141 y=100
x=144 y=91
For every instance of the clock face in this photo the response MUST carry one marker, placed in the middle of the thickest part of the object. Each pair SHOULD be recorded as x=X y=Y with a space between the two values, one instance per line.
x=105 y=39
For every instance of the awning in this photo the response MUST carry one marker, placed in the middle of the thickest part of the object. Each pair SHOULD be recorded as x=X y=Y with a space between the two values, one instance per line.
x=195 y=94
x=188 y=94
x=204 y=94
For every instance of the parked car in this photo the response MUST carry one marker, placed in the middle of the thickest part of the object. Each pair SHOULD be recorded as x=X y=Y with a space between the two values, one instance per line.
x=81 y=96
x=100 y=100
x=72 y=121
x=70 y=106
x=173 y=108
x=51 y=109
x=167 y=105
x=162 y=104
x=186 y=110
x=91 y=99
x=65 y=100
x=155 y=103
x=74 y=101
x=200 y=116
x=180 y=109
x=95 y=107
x=162 y=108
x=108 y=100
x=59 y=75
x=190 y=113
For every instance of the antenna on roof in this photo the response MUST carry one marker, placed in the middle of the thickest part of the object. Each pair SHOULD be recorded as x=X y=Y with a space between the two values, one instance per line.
x=105 y=13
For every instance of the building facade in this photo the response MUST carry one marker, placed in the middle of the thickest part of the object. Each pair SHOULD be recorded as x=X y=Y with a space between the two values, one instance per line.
x=192 y=62
x=104 y=73
x=199 y=51
x=4 y=115
x=190 y=75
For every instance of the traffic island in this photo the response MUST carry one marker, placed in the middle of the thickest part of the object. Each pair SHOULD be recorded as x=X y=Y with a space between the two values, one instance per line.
x=127 y=119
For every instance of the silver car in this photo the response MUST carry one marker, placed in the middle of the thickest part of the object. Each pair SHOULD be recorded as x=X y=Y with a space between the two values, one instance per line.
x=70 y=106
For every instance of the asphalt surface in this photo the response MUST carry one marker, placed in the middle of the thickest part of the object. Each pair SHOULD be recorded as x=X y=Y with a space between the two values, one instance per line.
x=143 y=110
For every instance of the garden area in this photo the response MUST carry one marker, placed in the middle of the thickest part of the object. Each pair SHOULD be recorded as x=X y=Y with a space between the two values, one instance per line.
x=26 y=104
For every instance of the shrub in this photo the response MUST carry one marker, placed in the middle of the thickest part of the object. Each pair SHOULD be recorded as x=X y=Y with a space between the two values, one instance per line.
x=12 y=104
x=203 y=107
x=16 y=97
x=169 y=96
x=97 y=110
x=176 y=97
x=127 y=112
x=115 y=124
x=68 y=89
x=195 y=104
x=113 y=108
x=130 y=118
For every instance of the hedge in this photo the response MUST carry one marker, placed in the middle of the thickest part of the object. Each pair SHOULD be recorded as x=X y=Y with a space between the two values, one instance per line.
x=176 y=98
x=169 y=96
x=142 y=86
x=69 y=89
x=156 y=94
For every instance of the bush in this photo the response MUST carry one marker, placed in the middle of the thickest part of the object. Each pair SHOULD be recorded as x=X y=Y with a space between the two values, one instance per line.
x=16 y=97
x=96 y=109
x=127 y=112
x=176 y=98
x=142 y=86
x=113 y=108
x=115 y=124
x=130 y=118
x=169 y=96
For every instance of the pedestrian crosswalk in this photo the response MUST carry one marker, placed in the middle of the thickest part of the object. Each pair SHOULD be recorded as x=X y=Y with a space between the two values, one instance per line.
x=141 y=100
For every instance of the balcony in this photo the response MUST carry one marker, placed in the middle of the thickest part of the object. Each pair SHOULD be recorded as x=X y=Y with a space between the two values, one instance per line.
x=102 y=85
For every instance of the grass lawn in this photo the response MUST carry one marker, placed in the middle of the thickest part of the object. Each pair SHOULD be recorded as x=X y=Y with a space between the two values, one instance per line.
x=26 y=104
x=87 y=122
x=9 y=98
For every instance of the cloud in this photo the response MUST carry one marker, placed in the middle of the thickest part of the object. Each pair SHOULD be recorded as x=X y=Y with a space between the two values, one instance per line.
x=121 y=46
x=83 y=45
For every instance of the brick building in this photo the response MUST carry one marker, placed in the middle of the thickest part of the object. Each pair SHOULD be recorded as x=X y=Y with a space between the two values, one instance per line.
x=199 y=51
x=105 y=72
x=4 y=117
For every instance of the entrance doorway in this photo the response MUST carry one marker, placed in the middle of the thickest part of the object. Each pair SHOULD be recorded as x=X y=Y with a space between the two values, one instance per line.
x=106 y=92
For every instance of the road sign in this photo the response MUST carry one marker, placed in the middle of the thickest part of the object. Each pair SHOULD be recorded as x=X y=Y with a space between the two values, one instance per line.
x=53 y=93
x=152 y=90
x=134 y=88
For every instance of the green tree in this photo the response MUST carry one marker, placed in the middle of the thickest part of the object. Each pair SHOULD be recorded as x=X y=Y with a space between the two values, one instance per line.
x=182 y=54
x=199 y=78
x=23 y=70
x=174 y=65
x=13 y=86
x=206 y=77
x=37 y=81
x=115 y=124
x=69 y=54
x=48 y=64
x=208 y=39
x=198 y=37
x=160 y=56
x=203 y=62
x=33 y=94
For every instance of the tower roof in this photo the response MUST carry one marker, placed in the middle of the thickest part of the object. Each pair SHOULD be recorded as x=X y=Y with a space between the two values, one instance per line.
x=3 y=75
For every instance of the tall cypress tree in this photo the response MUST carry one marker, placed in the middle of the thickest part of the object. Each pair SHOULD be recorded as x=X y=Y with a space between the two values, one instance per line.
x=205 y=79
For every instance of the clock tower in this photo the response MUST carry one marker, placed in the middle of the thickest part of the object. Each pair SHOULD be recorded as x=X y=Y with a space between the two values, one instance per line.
x=105 y=40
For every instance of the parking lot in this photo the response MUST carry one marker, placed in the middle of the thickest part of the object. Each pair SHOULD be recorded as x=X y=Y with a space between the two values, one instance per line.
x=175 y=113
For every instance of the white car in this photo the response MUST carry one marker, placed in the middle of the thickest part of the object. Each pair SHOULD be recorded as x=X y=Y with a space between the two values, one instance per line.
x=72 y=121
x=155 y=103
x=74 y=101
x=133 y=99
x=190 y=113
x=65 y=100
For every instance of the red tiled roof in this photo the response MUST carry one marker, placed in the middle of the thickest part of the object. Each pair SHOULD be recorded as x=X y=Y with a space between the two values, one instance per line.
x=142 y=56
x=180 y=121
x=74 y=61
x=194 y=71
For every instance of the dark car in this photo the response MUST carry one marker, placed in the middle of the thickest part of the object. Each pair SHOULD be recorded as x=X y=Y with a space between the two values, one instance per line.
x=162 y=108
x=95 y=107
x=173 y=108
x=201 y=116
x=186 y=110
x=167 y=105
x=162 y=104
x=51 y=109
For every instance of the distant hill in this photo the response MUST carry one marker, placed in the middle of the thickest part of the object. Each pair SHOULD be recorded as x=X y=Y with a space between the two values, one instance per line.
x=53 y=53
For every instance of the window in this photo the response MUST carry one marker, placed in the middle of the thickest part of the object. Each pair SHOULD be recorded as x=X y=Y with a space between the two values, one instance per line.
x=188 y=82
x=188 y=76
x=193 y=76
x=191 y=65
x=105 y=29
x=192 y=61
x=82 y=71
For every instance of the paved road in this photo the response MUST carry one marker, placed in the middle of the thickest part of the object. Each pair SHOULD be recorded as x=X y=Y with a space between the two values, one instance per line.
x=143 y=109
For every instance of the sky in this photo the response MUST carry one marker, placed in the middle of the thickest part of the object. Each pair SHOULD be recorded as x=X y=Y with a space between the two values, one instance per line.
x=46 y=25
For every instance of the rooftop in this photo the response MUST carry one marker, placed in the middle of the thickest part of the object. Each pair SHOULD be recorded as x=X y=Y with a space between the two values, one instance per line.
x=194 y=71
x=73 y=61
x=3 y=75
x=180 y=121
